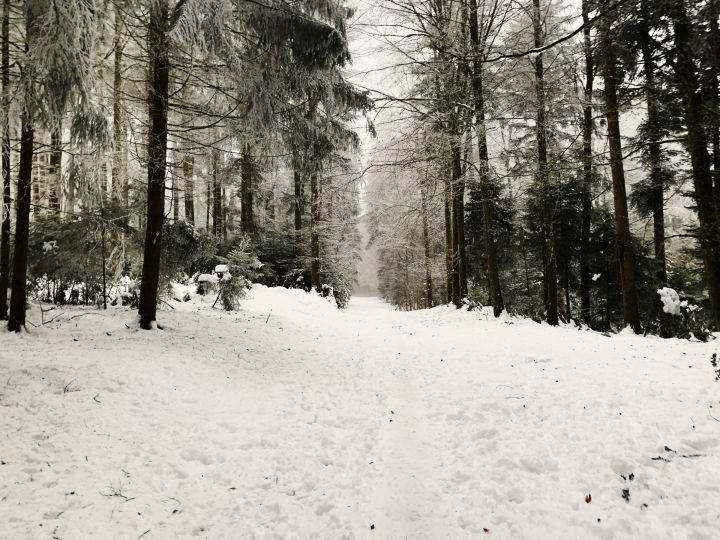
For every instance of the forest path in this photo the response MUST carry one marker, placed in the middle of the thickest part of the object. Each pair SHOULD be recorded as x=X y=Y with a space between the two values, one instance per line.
x=406 y=500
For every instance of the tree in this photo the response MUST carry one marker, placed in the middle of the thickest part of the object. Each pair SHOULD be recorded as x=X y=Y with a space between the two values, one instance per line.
x=543 y=178
x=623 y=239
x=56 y=73
x=697 y=143
x=5 y=155
x=587 y=163
x=479 y=37
x=159 y=68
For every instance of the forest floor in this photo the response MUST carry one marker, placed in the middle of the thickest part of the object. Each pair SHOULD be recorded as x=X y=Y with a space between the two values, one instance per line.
x=291 y=419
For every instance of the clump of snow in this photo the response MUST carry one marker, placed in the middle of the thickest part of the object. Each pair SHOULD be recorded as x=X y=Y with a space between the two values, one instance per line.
x=50 y=247
x=221 y=269
x=595 y=277
x=671 y=301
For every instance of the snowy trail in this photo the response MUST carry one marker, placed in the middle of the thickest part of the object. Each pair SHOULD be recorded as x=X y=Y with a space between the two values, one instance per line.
x=291 y=419
x=406 y=502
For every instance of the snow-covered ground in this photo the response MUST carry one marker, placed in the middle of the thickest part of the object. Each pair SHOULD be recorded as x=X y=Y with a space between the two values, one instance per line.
x=291 y=419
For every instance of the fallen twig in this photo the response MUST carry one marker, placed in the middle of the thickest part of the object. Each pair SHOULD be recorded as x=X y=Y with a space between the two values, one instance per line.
x=88 y=313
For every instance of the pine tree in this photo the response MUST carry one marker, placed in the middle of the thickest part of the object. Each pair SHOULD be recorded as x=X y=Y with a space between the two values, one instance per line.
x=687 y=84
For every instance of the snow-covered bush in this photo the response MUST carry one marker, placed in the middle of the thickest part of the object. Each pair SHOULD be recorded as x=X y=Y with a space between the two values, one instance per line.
x=686 y=320
x=232 y=274
x=184 y=248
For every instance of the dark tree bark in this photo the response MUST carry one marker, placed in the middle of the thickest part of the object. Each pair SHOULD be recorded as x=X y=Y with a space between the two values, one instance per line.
x=18 y=293
x=247 y=219
x=208 y=204
x=158 y=51
x=55 y=170
x=223 y=214
x=488 y=205
x=298 y=213
x=713 y=14
x=188 y=166
x=585 y=224
x=217 y=197
x=429 y=300
x=687 y=83
x=623 y=239
x=549 y=248
x=315 y=232
x=449 y=241
x=175 y=196
x=5 y=153
x=458 y=211
x=657 y=190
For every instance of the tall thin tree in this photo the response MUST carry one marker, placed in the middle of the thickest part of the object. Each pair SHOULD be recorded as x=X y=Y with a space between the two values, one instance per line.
x=623 y=239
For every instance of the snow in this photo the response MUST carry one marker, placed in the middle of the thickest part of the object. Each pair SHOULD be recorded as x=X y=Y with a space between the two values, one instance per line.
x=671 y=301
x=292 y=419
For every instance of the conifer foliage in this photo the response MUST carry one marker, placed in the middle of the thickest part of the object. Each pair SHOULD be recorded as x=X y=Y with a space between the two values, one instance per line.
x=151 y=117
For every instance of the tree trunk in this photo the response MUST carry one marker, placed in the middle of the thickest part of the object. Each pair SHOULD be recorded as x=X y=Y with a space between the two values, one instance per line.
x=208 y=204
x=247 y=220
x=549 y=248
x=459 y=255
x=175 y=195
x=5 y=154
x=298 y=211
x=713 y=14
x=585 y=220
x=488 y=205
x=449 y=242
x=188 y=165
x=55 y=170
x=158 y=51
x=655 y=157
x=687 y=83
x=216 y=196
x=428 y=255
x=314 y=232
x=119 y=190
x=18 y=293
x=223 y=214
x=623 y=238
